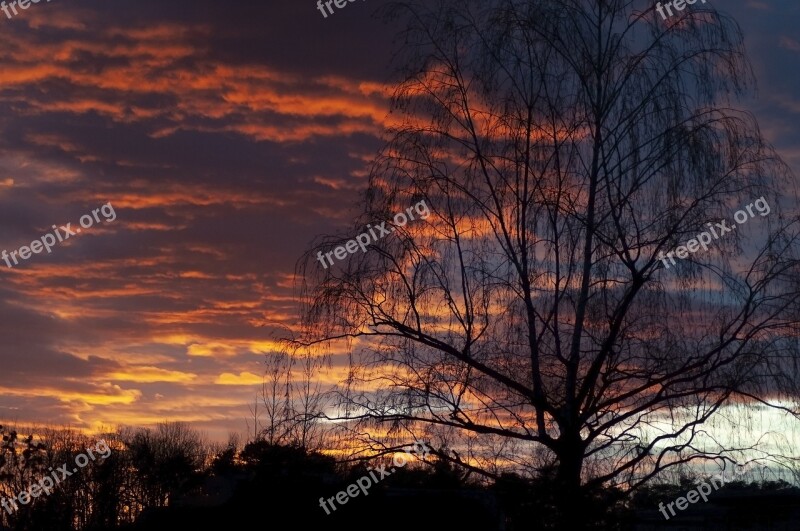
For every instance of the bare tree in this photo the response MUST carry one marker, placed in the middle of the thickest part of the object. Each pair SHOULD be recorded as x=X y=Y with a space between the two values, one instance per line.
x=276 y=399
x=23 y=455
x=292 y=400
x=167 y=460
x=85 y=499
x=308 y=402
x=562 y=147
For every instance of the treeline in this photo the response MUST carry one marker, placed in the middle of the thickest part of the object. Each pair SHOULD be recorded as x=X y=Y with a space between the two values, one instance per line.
x=169 y=477
x=143 y=469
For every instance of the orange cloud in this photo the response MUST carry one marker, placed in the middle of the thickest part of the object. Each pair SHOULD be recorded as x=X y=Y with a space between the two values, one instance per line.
x=244 y=378
x=211 y=349
x=150 y=375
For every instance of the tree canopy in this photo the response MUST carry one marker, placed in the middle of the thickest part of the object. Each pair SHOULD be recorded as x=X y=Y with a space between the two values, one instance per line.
x=563 y=147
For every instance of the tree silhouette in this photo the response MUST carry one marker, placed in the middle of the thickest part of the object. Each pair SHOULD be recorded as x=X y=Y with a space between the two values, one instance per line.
x=562 y=147
x=293 y=402
x=167 y=461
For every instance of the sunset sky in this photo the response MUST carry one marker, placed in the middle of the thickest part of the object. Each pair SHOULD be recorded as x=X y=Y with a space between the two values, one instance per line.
x=226 y=135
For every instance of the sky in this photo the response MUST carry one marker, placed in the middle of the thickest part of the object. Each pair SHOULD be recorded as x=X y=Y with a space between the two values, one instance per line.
x=226 y=136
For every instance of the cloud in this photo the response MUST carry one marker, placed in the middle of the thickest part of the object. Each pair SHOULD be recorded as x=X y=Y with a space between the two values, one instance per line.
x=144 y=374
x=244 y=378
x=790 y=44
x=227 y=140
x=211 y=349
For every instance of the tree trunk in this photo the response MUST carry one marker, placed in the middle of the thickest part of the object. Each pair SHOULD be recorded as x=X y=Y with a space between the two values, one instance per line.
x=572 y=506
